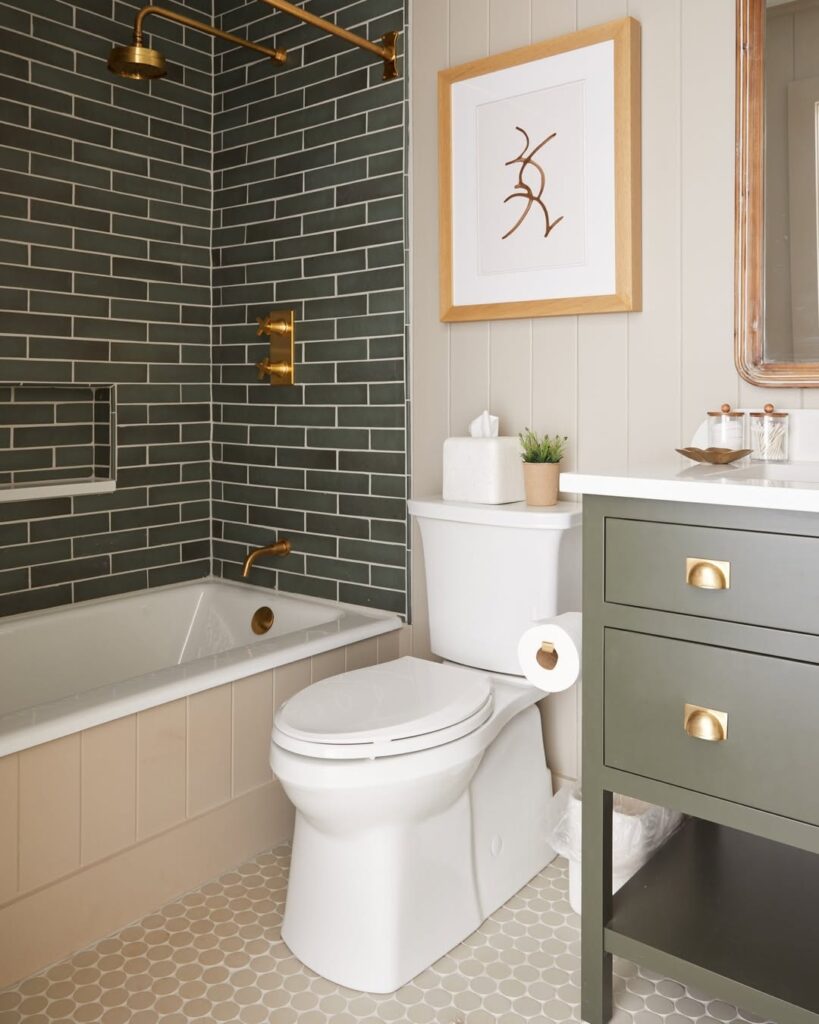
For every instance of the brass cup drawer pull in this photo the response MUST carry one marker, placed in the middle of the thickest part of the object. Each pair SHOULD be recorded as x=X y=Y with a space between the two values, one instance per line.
x=705 y=723
x=707 y=574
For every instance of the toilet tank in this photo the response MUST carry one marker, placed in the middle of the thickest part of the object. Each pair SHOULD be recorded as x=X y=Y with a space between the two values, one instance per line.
x=493 y=570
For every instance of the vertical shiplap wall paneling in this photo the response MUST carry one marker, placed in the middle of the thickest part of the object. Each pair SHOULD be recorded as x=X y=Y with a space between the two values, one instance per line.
x=654 y=335
x=429 y=359
x=554 y=378
x=469 y=370
x=555 y=18
x=469 y=344
x=602 y=435
x=554 y=404
x=707 y=205
x=625 y=388
x=429 y=356
x=510 y=341
x=510 y=371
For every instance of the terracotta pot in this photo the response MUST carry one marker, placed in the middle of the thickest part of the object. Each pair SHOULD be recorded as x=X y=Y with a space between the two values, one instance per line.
x=541 y=479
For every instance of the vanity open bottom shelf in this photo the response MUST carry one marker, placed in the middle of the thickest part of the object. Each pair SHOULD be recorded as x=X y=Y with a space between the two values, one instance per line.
x=728 y=912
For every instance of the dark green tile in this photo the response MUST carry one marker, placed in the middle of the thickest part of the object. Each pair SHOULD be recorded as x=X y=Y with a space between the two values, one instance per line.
x=104 y=543
x=351 y=572
x=346 y=483
x=391 y=532
x=376 y=508
x=369 y=551
x=338 y=526
x=308 y=586
x=35 y=600
x=68 y=526
x=371 y=597
x=66 y=572
x=389 y=578
x=13 y=580
x=109 y=586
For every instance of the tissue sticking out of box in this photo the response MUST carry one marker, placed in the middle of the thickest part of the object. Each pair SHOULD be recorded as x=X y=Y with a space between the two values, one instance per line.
x=484 y=425
x=484 y=468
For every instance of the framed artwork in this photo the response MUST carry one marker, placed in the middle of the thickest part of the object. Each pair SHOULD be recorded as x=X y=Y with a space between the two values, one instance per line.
x=539 y=154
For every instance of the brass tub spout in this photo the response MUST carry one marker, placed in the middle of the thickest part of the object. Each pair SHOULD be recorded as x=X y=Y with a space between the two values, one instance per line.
x=281 y=547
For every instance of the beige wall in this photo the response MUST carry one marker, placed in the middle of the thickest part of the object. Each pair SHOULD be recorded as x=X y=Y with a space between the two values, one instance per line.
x=101 y=827
x=625 y=388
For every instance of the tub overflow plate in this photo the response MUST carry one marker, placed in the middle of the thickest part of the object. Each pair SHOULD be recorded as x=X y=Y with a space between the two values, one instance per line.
x=262 y=620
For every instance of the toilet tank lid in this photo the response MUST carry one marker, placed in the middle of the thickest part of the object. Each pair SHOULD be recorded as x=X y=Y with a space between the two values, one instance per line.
x=562 y=516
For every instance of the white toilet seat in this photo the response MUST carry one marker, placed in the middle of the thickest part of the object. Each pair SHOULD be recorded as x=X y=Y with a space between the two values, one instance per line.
x=396 y=708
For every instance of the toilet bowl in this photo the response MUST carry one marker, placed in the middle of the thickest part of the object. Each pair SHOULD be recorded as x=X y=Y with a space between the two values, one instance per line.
x=421 y=791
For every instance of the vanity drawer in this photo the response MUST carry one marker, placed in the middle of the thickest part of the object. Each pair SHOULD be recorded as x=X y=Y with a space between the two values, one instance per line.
x=768 y=579
x=769 y=757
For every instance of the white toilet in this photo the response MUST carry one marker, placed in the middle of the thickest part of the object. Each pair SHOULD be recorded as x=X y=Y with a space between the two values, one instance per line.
x=421 y=790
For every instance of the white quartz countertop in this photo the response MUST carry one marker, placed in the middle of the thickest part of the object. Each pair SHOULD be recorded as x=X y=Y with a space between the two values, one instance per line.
x=792 y=486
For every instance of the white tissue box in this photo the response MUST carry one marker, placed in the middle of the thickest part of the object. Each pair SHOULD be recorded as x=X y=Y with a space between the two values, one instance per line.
x=486 y=470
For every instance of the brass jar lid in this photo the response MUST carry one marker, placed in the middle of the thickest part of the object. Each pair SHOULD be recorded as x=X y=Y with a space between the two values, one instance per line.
x=725 y=410
x=768 y=410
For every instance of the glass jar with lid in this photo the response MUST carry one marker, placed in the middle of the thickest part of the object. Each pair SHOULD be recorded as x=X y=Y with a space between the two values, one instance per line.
x=726 y=429
x=769 y=435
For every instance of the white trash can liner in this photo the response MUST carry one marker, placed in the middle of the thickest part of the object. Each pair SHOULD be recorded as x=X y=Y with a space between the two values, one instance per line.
x=638 y=831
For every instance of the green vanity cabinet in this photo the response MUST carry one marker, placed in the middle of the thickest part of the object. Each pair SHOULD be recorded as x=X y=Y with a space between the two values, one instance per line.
x=701 y=693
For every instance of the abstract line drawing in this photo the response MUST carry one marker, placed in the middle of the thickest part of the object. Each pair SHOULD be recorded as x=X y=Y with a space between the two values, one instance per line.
x=524 y=191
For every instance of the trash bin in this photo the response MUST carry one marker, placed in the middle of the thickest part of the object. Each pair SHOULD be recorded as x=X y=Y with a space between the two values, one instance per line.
x=638 y=831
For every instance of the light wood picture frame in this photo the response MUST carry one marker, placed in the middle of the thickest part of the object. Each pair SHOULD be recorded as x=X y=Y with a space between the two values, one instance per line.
x=539 y=163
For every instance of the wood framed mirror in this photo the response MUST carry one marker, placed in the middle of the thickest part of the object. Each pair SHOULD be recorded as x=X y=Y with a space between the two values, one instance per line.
x=777 y=193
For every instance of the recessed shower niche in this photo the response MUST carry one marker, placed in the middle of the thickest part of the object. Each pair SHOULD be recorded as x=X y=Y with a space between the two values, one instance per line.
x=56 y=439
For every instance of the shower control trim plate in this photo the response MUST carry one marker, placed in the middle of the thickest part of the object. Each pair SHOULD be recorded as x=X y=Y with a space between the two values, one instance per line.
x=279 y=364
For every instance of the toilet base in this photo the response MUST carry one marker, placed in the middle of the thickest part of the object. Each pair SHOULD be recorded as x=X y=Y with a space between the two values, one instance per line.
x=371 y=908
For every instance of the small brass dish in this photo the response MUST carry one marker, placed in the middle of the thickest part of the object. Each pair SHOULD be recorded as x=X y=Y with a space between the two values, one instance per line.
x=262 y=620
x=714 y=456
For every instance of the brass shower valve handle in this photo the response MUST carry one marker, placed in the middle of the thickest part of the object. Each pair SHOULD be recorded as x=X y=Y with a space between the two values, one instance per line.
x=268 y=369
x=270 y=325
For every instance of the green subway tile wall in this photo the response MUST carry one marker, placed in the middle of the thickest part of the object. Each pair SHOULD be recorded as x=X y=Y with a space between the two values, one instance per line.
x=105 y=268
x=309 y=214
x=143 y=228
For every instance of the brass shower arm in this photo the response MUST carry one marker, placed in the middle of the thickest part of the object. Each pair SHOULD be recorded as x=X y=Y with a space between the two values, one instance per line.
x=385 y=50
x=280 y=56
x=138 y=61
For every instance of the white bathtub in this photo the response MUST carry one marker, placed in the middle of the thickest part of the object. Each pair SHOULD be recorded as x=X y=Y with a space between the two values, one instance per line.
x=80 y=666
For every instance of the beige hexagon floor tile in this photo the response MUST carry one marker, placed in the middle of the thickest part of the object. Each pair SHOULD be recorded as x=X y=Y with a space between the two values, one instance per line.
x=216 y=955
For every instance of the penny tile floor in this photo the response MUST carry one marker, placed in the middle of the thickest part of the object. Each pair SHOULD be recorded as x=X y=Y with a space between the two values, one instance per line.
x=216 y=955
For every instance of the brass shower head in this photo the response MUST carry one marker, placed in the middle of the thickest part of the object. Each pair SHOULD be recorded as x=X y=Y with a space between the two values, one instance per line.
x=136 y=62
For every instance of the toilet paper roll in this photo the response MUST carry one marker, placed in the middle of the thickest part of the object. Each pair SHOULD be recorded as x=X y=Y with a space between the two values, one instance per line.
x=549 y=652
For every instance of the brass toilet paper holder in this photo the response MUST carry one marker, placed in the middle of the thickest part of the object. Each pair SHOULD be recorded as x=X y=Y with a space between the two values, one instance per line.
x=546 y=656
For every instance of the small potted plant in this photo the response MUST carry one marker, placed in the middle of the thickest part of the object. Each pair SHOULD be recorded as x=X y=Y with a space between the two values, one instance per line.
x=541 y=466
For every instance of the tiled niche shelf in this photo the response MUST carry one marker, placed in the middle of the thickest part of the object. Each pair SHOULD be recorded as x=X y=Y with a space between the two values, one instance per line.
x=56 y=439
